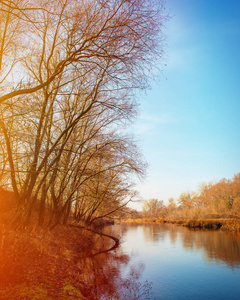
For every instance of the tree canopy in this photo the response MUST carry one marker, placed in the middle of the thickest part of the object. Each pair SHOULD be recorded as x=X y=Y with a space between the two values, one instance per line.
x=68 y=75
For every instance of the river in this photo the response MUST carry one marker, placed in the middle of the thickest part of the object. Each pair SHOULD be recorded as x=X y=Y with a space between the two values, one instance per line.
x=165 y=261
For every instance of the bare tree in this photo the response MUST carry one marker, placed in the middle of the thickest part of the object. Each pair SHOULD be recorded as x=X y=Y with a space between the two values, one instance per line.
x=75 y=67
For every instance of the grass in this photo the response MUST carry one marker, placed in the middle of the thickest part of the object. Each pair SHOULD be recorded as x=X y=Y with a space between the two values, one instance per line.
x=41 y=265
x=149 y=220
x=223 y=224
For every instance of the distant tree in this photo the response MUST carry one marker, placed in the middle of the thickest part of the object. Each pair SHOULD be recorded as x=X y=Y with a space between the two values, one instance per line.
x=218 y=198
x=152 y=208
x=186 y=200
x=171 y=203
x=170 y=207
x=236 y=194
x=128 y=213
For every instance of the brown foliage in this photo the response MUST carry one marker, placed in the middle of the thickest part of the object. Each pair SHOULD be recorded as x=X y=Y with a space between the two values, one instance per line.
x=219 y=200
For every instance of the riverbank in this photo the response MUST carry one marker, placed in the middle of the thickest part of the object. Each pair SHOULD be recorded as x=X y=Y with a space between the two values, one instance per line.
x=223 y=224
x=42 y=264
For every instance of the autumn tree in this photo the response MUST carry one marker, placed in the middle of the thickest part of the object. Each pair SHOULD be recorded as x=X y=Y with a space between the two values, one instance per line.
x=68 y=74
x=187 y=200
x=152 y=208
x=221 y=198
x=211 y=200
x=236 y=194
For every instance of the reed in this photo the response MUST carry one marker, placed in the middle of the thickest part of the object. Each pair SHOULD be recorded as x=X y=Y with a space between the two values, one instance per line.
x=150 y=220
x=223 y=224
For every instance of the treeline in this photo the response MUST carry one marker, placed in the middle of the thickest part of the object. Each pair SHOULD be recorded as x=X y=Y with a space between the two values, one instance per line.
x=212 y=200
x=68 y=75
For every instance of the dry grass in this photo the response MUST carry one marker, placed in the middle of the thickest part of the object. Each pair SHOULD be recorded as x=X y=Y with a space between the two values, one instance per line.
x=42 y=265
x=223 y=224
x=154 y=220
x=231 y=225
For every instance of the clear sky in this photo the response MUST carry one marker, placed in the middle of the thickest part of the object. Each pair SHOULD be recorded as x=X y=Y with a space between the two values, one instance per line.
x=189 y=123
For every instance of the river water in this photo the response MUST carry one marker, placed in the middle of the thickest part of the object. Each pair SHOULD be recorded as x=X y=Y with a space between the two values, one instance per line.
x=165 y=261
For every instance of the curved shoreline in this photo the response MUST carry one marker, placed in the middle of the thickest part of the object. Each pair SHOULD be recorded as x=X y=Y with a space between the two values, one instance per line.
x=116 y=240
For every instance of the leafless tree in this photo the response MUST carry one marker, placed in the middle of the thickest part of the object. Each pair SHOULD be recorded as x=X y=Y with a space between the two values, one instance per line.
x=67 y=78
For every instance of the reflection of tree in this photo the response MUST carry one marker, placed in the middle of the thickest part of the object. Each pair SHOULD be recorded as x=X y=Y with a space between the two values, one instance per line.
x=217 y=245
x=131 y=287
x=103 y=279
x=154 y=232
x=173 y=234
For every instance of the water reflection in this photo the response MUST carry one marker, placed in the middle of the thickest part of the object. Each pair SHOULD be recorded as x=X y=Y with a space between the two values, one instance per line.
x=217 y=246
x=102 y=277
x=154 y=233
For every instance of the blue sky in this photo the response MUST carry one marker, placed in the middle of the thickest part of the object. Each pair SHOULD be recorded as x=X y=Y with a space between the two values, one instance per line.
x=189 y=122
